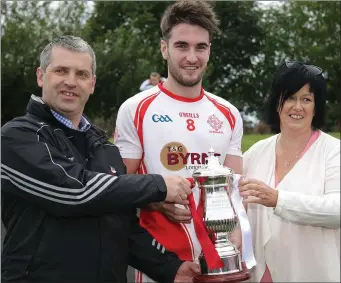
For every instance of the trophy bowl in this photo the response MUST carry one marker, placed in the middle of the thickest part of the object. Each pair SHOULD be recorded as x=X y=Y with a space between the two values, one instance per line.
x=215 y=183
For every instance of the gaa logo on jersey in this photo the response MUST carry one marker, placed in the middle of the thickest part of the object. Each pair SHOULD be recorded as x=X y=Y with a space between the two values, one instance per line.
x=174 y=156
x=161 y=118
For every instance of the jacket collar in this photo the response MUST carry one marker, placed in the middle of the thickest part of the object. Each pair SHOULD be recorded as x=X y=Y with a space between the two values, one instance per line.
x=39 y=109
x=84 y=123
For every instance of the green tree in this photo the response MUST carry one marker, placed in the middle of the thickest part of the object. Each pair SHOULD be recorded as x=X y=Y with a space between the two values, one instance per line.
x=126 y=37
x=239 y=40
x=127 y=50
x=27 y=27
x=308 y=31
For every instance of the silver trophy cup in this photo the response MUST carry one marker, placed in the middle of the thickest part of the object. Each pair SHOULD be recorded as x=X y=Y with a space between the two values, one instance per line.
x=215 y=183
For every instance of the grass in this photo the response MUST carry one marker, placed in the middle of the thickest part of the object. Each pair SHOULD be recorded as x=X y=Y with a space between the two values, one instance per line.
x=250 y=139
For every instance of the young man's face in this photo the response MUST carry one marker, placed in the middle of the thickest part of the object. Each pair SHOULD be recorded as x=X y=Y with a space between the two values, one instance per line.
x=187 y=52
x=67 y=82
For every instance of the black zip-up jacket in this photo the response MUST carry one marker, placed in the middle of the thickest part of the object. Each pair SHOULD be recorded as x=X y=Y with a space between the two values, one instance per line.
x=68 y=207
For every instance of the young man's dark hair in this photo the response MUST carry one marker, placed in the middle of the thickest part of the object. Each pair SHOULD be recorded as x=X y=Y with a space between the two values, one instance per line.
x=189 y=12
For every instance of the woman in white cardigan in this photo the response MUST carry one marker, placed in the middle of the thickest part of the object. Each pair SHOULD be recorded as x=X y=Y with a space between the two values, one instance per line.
x=292 y=184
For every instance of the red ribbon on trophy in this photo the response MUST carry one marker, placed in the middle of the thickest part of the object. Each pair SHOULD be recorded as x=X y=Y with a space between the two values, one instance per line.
x=211 y=255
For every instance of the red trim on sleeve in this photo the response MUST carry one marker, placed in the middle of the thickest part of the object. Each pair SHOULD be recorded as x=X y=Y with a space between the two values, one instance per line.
x=169 y=234
x=142 y=169
x=225 y=110
x=211 y=255
x=138 y=278
x=175 y=237
x=140 y=112
x=181 y=98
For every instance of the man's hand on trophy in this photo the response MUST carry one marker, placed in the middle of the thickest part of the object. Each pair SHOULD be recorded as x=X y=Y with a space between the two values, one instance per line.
x=178 y=188
x=187 y=271
x=173 y=212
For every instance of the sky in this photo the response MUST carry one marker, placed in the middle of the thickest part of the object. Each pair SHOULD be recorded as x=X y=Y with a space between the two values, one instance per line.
x=266 y=4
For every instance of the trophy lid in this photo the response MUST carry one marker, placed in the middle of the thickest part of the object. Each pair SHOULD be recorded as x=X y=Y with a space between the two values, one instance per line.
x=213 y=167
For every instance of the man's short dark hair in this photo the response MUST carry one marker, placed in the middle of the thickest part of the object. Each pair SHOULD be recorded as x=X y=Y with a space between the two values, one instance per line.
x=70 y=42
x=288 y=81
x=193 y=12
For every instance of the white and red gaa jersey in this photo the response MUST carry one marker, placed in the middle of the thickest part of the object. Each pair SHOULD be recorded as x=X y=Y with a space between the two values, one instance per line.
x=172 y=135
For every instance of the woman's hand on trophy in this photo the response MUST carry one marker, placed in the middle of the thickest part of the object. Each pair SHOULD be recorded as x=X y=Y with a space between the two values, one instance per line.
x=175 y=213
x=255 y=191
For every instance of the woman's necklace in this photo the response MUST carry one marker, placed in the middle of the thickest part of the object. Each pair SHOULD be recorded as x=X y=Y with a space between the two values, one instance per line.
x=288 y=162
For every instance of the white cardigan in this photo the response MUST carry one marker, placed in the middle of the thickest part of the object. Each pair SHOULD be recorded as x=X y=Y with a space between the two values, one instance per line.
x=299 y=240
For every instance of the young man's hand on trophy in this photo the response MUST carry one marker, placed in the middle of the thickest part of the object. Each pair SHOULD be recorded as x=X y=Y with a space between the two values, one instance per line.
x=187 y=271
x=178 y=188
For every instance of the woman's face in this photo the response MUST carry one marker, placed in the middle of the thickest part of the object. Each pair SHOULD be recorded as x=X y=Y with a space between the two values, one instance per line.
x=298 y=110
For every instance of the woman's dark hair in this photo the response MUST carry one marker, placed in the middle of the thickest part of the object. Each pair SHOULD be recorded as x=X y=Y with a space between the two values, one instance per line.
x=289 y=79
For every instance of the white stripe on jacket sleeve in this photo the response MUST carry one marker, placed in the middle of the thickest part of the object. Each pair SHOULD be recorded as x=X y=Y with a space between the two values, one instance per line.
x=72 y=196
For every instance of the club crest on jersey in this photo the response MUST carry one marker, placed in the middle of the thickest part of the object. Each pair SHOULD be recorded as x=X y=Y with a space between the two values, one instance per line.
x=174 y=156
x=215 y=123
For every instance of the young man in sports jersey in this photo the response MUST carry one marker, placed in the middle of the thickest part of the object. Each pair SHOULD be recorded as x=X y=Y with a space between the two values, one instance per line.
x=171 y=127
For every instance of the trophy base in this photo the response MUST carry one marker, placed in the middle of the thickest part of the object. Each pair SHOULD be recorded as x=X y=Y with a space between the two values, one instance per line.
x=235 y=277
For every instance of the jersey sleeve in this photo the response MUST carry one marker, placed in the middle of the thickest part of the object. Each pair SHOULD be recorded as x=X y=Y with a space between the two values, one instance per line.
x=235 y=145
x=126 y=137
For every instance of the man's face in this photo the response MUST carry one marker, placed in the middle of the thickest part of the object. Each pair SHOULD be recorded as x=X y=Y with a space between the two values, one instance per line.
x=187 y=52
x=154 y=80
x=67 y=82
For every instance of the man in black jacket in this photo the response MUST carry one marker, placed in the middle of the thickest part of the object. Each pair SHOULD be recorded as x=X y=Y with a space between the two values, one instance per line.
x=67 y=205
